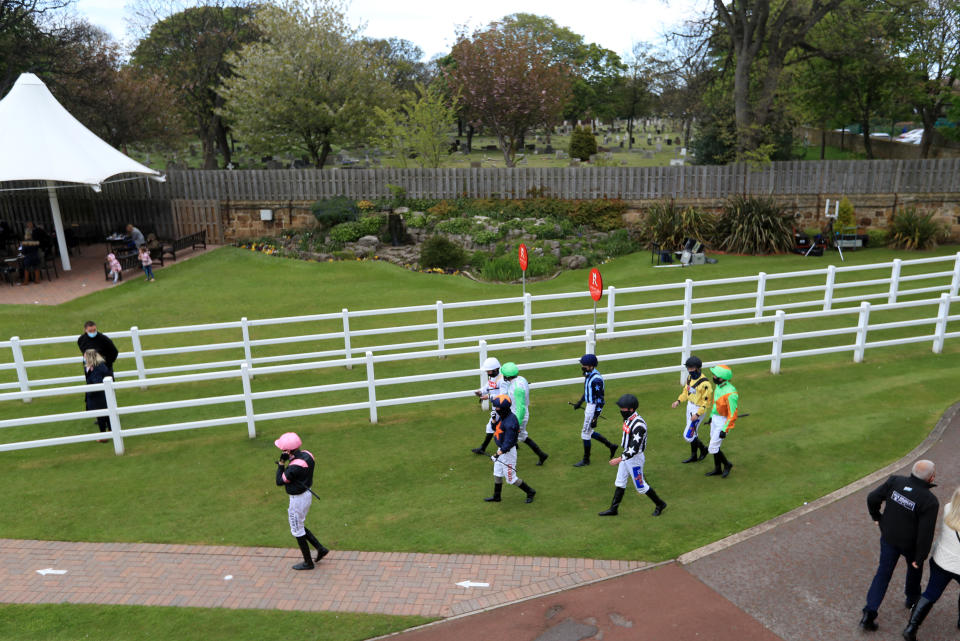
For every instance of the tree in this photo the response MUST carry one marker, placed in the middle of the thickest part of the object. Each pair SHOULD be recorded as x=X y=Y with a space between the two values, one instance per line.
x=508 y=83
x=933 y=58
x=419 y=128
x=29 y=37
x=189 y=50
x=405 y=61
x=760 y=37
x=310 y=84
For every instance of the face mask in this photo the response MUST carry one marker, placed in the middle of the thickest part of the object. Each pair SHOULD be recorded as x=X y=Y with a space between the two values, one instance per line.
x=695 y=374
x=584 y=370
x=626 y=414
x=717 y=381
x=92 y=334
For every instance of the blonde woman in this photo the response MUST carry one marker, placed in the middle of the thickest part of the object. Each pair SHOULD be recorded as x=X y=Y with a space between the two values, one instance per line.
x=944 y=566
x=96 y=369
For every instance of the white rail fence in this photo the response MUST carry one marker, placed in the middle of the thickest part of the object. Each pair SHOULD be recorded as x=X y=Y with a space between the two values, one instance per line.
x=760 y=300
x=776 y=339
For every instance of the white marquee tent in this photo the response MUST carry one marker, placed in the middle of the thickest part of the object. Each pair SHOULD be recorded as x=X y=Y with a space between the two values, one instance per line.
x=40 y=140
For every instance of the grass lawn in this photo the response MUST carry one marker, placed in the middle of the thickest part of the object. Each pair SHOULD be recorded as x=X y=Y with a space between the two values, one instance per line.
x=410 y=483
x=68 y=622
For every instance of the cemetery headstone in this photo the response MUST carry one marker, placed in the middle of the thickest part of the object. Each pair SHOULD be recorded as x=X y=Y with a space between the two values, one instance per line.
x=659 y=146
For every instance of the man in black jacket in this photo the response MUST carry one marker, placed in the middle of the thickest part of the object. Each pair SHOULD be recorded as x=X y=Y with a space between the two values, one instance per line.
x=906 y=529
x=92 y=339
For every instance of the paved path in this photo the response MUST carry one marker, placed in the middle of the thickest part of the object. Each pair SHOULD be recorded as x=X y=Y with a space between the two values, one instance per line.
x=802 y=576
x=86 y=276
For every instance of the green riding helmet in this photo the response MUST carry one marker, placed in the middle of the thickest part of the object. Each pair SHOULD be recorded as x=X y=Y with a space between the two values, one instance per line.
x=723 y=372
x=509 y=370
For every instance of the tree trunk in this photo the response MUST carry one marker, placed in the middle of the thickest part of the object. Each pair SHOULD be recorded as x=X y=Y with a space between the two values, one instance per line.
x=506 y=144
x=741 y=102
x=928 y=126
x=469 y=138
x=630 y=132
x=459 y=127
x=324 y=152
x=867 y=142
x=222 y=142
x=823 y=144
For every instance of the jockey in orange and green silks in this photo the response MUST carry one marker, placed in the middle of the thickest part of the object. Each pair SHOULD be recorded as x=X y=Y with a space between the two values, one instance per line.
x=725 y=401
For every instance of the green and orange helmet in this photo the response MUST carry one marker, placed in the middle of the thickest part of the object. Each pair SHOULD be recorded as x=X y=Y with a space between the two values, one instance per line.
x=723 y=372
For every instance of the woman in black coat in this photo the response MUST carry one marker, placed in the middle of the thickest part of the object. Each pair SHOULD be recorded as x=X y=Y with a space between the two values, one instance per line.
x=96 y=370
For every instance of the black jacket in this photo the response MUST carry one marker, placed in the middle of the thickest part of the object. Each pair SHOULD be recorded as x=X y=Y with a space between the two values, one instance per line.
x=910 y=517
x=104 y=346
x=96 y=400
x=506 y=432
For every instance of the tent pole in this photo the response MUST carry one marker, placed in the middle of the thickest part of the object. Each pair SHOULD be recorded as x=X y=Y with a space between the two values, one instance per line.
x=58 y=224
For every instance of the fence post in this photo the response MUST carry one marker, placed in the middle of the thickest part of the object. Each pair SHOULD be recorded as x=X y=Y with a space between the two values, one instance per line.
x=114 y=416
x=894 y=281
x=611 y=305
x=942 y=313
x=777 y=353
x=439 y=327
x=483 y=375
x=828 y=290
x=862 y=332
x=245 y=330
x=686 y=342
x=21 y=368
x=761 y=293
x=687 y=299
x=527 y=317
x=371 y=388
x=138 y=355
x=248 y=400
x=590 y=342
x=955 y=282
x=346 y=335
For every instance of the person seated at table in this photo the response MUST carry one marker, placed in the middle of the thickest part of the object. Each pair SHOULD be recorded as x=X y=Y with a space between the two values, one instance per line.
x=136 y=237
x=31 y=260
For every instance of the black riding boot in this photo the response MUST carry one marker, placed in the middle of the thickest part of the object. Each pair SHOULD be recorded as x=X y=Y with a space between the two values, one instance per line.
x=869 y=621
x=693 y=452
x=305 y=550
x=917 y=615
x=536 y=450
x=600 y=437
x=529 y=490
x=727 y=465
x=716 y=466
x=321 y=550
x=497 y=488
x=660 y=503
x=615 y=503
x=703 y=449
x=482 y=449
x=586 y=454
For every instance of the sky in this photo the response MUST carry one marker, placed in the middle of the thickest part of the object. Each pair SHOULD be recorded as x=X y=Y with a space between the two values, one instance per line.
x=432 y=24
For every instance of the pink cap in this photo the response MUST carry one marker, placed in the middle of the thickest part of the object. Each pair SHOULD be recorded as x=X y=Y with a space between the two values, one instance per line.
x=288 y=441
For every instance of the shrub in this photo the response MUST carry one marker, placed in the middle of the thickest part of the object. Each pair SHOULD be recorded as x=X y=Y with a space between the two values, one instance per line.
x=753 y=226
x=845 y=215
x=456 y=226
x=437 y=251
x=485 y=236
x=669 y=226
x=603 y=214
x=417 y=222
x=341 y=255
x=582 y=144
x=877 y=237
x=365 y=205
x=912 y=230
x=346 y=233
x=334 y=211
x=371 y=225
x=478 y=259
x=443 y=209
x=619 y=243
x=398 y=195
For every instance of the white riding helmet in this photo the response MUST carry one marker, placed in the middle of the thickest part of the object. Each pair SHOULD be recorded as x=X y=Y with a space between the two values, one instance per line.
x=490 y=364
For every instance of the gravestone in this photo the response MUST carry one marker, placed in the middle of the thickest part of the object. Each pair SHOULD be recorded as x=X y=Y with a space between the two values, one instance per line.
x=475 y=164
x=659 y=146
x=274 y=164
x=548 y=149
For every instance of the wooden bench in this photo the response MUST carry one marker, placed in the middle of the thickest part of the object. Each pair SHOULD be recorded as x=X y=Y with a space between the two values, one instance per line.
x=192 y=241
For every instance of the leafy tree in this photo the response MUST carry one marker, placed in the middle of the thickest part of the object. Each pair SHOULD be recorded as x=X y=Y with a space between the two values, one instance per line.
x=762 y=37
x=933 y=58
x=189 y=50
x=582 y=144
x=405 y=60
x=29 y=38
x=419 y=128
x=508 y=81
x=309 y=85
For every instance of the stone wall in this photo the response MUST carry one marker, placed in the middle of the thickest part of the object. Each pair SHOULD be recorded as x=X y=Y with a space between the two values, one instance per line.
x=872 y=211
x=241 y=220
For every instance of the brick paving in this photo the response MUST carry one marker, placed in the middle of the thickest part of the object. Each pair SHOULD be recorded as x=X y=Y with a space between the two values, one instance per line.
x=86 y=276
x=345 y=581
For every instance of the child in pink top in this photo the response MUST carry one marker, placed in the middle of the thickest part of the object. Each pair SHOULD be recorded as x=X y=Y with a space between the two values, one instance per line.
x=114 y=265
x=146 y=261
